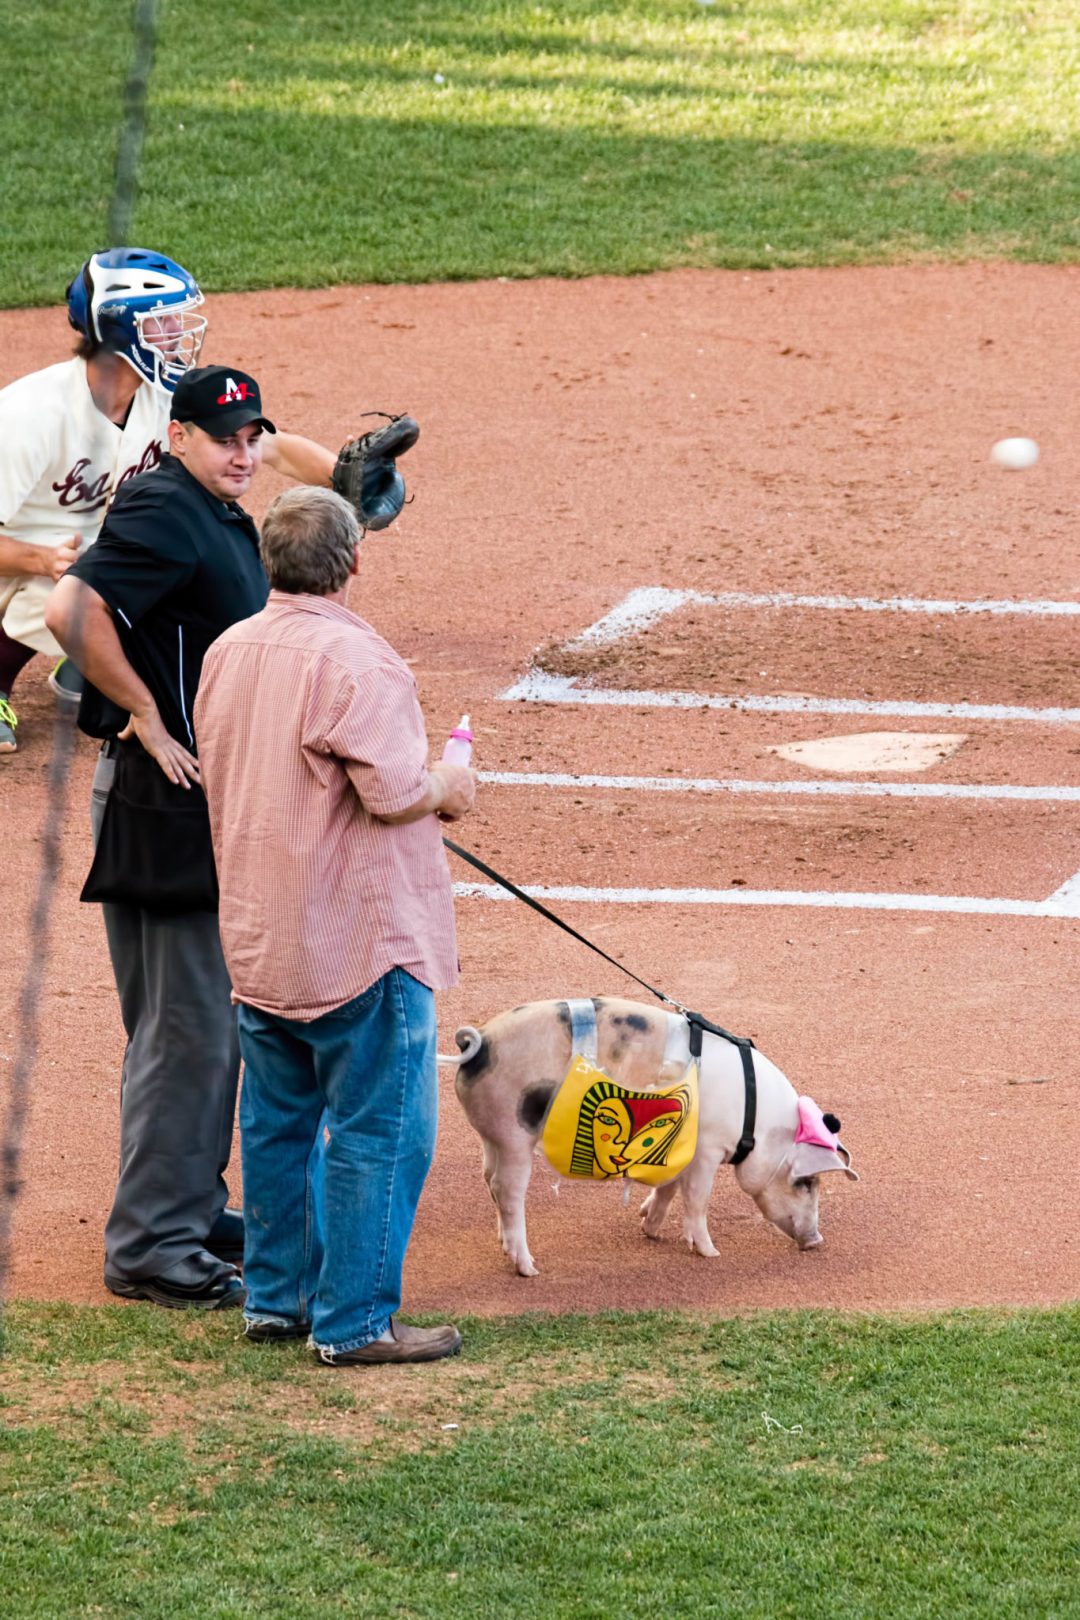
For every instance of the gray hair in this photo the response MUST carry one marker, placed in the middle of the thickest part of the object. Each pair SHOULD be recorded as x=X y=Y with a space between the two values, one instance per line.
x=308 y=542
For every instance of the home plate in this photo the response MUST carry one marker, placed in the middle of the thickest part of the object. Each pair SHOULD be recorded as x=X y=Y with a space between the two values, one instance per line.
x=873 y=751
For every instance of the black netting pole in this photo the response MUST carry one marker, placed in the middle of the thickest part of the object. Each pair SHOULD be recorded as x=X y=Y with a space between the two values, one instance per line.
x=121 y=210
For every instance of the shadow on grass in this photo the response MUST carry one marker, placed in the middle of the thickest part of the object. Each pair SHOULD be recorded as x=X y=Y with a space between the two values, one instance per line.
x=391 y=179
x=351 y=199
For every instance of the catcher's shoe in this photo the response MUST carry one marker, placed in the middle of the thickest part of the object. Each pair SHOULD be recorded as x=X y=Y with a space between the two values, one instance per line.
x=8 y=722
x=66 y=681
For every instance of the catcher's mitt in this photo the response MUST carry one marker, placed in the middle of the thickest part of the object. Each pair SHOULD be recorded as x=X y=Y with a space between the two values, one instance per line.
x=365 y=472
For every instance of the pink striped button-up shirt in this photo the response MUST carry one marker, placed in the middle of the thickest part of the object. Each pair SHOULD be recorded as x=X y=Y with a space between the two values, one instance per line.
x=308 y=728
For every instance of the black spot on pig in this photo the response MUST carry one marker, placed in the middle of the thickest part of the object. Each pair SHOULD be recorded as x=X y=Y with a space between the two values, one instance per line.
x=831 y=1123
x=563 y=1015
x=478 y=1064
x=533 y=1104
x=637 y=1021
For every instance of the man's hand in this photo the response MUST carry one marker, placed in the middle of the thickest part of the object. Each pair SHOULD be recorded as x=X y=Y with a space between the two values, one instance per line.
x=450 y=793
x=63 y=557
x=24 y=559
x=458 y=785
x=179 y=766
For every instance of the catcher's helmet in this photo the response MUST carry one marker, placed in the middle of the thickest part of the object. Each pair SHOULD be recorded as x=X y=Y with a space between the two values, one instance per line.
x=140 y=305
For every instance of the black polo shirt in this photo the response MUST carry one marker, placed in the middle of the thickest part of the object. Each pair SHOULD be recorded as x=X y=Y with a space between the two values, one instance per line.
x=176 y=567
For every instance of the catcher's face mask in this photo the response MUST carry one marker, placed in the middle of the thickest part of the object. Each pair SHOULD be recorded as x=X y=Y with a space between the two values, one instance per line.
x=175 y=338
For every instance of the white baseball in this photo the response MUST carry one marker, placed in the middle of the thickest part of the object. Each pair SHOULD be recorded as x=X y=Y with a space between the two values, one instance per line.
x=1016 y=454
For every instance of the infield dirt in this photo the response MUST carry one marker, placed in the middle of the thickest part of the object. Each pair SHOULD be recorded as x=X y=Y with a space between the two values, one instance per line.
x=809 y=432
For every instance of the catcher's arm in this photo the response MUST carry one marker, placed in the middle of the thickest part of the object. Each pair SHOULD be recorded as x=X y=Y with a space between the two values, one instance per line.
x=22 y=559
x=296 y=457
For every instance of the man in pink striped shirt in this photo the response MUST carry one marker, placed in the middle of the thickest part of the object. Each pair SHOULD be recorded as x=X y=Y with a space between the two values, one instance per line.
x=337 y=924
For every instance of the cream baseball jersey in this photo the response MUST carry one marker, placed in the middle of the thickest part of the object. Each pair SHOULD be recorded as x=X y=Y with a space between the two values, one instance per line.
x=61 y=463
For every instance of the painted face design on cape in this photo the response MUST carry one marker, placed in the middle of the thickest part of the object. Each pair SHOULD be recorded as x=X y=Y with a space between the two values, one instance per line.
x=627 y=1129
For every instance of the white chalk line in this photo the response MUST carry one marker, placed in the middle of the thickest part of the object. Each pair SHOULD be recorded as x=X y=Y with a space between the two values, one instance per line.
x=643 y=607
x=648 y=603
x=539 y=687
x=1064 y=903
x=836 y=789
x=1068 y=894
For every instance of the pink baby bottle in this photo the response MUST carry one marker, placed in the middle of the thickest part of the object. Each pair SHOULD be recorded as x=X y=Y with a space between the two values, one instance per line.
x=458 y=750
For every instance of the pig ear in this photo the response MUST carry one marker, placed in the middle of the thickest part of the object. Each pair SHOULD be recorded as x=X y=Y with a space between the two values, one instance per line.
x=807 y=1159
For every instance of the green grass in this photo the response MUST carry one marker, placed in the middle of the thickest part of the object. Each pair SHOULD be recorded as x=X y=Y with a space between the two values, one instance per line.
x=310 y=143
x=782 y=1465
x=788 y=1465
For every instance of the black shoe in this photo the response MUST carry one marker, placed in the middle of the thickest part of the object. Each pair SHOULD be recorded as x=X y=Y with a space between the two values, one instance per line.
x=198 y=1282
x=264 y=1330
x=226 y=1238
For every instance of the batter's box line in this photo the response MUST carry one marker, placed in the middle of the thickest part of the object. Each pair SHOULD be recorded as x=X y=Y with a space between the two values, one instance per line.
x=648 y=603
x=977 y=791
x=537 y=686
x=1064 y=903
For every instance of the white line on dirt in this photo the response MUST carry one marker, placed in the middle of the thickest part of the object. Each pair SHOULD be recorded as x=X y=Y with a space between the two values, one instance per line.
x=538 y=687
x=643 y=606
x=707 y=784
x=1064 y=904
x=1069 y=894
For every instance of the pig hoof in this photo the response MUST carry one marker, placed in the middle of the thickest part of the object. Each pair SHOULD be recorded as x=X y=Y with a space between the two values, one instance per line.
x=707 y=1249
x=812 y=1243
x=526 y=1268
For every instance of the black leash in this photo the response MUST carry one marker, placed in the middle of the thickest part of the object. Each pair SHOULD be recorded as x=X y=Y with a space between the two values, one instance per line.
x=697 y=1023
x=519 y=894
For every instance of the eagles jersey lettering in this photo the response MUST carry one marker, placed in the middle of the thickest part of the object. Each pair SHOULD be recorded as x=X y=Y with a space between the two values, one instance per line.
x=61 y=462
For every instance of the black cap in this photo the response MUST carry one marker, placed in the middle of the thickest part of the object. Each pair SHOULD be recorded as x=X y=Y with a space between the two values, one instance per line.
x=219 y=399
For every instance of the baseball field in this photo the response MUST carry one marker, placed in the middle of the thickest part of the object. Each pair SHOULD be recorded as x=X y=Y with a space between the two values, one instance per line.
x=710 y=314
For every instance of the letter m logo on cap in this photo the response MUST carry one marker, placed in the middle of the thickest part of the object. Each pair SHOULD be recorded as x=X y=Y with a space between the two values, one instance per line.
x=235 y=393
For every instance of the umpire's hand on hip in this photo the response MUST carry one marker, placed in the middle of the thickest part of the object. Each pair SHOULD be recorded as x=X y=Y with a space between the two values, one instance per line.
x=179 y=766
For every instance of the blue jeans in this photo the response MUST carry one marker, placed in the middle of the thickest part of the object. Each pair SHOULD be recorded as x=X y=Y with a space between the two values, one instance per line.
x=337 y=1133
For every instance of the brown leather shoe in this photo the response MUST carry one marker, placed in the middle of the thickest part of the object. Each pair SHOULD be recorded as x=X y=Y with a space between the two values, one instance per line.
x=407 y=1344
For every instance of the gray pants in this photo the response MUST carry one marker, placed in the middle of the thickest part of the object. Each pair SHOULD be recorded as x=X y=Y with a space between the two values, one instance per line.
x=179 y=1080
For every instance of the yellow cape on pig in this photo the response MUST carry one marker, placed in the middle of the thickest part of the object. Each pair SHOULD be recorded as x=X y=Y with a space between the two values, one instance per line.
x=600 y=1130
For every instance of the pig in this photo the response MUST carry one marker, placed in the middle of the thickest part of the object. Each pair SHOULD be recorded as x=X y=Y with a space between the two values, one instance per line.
x=509 y=1071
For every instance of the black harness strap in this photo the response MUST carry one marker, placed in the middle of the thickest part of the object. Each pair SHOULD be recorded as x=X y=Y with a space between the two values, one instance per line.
x=697 y=1023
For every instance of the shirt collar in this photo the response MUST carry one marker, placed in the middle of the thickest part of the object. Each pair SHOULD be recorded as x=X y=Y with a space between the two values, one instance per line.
x=304 y=602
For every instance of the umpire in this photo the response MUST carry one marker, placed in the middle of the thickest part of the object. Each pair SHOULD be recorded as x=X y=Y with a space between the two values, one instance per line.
x=177 y=563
